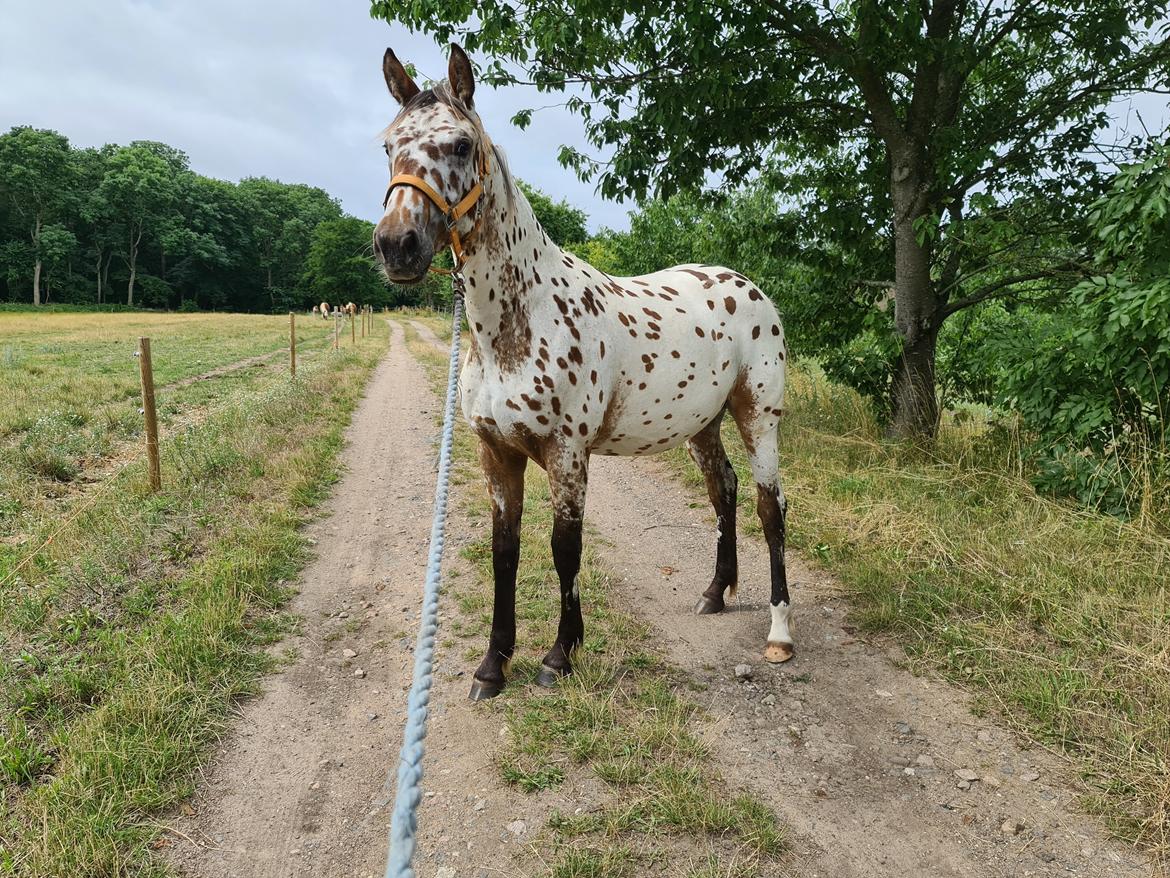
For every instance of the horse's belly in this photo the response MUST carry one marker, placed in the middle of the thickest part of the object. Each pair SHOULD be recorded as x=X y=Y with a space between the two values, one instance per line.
x=664 y=415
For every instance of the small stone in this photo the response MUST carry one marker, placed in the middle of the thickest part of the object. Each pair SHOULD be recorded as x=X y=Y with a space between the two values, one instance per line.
x=983 y=736
x=925 y=761
x=903 y=729
x=517 y=827
x=992 y=781
x=882 y=693
x=768 y=700
x=963 y=785
x=1030 y=775
x=324 y=763
x=359 y=673
x=371 y=716
x=966 y=774
x=1011 y=826
x=445 y=872
x=349 y=653
x=480 y=804
x=900 y=761
x=909 y=772
x=743 y=672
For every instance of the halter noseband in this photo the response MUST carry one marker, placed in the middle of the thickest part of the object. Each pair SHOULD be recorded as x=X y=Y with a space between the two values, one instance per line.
x=452 y=215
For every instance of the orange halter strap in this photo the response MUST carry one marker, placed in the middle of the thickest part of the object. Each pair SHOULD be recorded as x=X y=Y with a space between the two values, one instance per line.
x=451 y=215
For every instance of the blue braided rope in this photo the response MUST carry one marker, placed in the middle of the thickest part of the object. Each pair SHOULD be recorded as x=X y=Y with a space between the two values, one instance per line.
x=404 y=821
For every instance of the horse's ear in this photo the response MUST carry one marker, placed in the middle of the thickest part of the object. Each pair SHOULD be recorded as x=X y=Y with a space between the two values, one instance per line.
x=401 y=86
x=460 y=76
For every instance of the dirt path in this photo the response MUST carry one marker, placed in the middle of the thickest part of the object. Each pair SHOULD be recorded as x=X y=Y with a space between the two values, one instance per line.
x=827 y=739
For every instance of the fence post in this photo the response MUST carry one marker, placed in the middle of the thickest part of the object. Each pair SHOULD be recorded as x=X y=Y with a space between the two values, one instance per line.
x=147 y=372
x=363 y=321
x=292 y=343
x=352 y=330
x=336 y=329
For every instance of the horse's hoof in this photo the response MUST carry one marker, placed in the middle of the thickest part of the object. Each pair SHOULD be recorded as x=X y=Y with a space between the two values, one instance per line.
x=549 y=677
x=775 y=653
x=481 y=690
x=708 y=605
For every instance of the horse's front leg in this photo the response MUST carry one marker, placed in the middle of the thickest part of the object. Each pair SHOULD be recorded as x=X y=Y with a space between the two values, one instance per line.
x=504 y=469
x=567 y=478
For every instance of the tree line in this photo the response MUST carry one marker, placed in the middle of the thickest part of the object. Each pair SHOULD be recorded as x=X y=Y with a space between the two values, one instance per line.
x=135 y=225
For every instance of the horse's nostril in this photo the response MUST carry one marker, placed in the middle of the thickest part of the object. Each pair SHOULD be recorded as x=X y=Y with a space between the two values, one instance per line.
x=382 y=244
x=409 y=244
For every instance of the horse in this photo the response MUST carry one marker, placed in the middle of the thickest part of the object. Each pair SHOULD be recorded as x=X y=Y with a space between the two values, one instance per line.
x=565 y=362
x=324 y=307
x=351 y=309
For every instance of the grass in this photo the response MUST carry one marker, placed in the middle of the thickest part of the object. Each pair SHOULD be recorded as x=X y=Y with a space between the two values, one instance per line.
x=125 y=642
x=72 y=393
x=621 y=718
x=1054 y=617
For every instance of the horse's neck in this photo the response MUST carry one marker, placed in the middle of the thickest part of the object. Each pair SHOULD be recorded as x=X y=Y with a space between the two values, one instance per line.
x=510 y=255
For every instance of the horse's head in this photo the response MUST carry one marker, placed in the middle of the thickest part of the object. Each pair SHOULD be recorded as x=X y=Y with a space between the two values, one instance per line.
x=438 y=157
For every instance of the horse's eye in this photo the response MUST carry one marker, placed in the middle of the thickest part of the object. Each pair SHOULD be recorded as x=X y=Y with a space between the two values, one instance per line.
x=463 y=148
x=386 y=148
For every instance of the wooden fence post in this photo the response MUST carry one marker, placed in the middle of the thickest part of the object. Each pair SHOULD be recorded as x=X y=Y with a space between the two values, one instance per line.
x=336 y=329
x=352 y=331
x=292 y=343
x=363 y=321
x=147 y=372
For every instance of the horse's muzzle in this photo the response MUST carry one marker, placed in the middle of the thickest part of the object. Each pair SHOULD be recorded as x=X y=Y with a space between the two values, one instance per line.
x=405 y=255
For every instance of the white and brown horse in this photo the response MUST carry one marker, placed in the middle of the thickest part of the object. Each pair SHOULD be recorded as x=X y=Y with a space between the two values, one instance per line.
x=566 y=362
x=323 y=309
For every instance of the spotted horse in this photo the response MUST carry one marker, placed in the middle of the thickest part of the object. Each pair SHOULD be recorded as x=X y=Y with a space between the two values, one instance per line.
x=566 y=362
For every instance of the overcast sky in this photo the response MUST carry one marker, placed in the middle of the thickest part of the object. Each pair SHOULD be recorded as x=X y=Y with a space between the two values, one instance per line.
x=290 y=89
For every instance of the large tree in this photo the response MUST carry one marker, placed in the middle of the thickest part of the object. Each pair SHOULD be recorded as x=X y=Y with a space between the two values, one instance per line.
x=137 y=195
x=35 y=175
x=899 y=128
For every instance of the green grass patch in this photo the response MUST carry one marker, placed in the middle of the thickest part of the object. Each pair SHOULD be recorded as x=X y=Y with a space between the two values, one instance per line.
x=621 y=718
x=126 y=640
x=1055 y=617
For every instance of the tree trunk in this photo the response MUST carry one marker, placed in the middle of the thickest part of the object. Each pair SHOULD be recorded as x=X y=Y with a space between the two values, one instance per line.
x=914 y=403
x=36 y=240
x=132 y=261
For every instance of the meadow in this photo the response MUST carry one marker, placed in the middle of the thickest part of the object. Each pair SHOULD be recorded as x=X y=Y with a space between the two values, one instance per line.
x=130 y=620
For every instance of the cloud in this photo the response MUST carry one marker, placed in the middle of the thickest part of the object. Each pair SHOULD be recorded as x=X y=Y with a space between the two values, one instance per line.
x=291 y=90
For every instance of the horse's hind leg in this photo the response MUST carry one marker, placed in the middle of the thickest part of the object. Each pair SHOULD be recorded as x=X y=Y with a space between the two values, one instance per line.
x=707 y=452
x=567 y=479
x=504 y=469
x=760 y=435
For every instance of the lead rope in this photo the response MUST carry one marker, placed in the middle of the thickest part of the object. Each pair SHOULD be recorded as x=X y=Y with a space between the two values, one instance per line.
x=404 y=820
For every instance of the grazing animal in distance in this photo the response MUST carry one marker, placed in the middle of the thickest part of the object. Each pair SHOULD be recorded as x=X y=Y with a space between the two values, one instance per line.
x=566 y=362
x=351 y=309
x=324 y=308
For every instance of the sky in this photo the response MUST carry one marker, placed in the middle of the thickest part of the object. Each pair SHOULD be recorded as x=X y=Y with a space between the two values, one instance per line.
x=291 y=90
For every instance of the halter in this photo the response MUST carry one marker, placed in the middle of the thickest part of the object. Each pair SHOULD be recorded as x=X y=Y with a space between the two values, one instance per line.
x=452 y=215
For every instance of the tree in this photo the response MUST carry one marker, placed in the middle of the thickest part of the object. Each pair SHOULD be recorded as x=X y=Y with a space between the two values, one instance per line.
x=339 y=267
x=35 y=175
x=283 y=217
x=897 y=129
x=137 y=194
